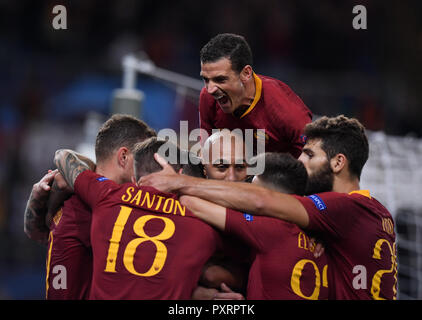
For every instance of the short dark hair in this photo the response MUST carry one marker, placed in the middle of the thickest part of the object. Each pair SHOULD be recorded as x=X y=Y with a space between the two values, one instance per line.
x=283 y=173
x=121 y=130
x=144 y=162
x=228 y=45
x=195 y=169
x=341 y=135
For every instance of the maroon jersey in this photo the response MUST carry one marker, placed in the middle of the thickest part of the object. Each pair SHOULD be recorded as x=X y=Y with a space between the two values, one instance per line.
x=276 y=108
x=145 y=244
x=284 y=267
x=69 y=255
x=360 y=243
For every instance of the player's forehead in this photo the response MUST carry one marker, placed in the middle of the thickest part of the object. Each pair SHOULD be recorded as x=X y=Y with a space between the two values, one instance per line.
x=314 y=145
x=227 y=152
x=220 y=67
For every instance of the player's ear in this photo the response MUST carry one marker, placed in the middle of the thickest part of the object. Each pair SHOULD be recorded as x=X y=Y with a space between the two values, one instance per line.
x=246 y=73
x=338 y=162
x=123 y=156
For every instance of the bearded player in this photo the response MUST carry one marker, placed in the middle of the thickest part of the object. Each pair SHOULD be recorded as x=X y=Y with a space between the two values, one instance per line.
x=356 y=228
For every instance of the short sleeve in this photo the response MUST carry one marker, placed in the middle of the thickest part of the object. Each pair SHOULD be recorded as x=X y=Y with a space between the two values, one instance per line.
x=92 y=188
x=247 y=227
x=330 y=214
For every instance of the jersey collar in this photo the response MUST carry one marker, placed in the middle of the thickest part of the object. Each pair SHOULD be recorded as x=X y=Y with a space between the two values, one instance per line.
x=258 y=91
x=364 y=193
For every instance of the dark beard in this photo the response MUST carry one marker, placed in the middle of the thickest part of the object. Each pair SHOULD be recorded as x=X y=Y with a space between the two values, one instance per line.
x=320 y=181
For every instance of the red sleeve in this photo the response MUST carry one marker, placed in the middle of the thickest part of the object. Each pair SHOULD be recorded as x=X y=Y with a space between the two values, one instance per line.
x=92 y=187
x=205 y=113
x=246 y=227
x=330 y=214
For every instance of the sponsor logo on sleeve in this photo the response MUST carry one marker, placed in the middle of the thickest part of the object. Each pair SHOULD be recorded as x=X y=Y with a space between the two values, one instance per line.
x=101 y=179
x=318 y=202
x=248 y=217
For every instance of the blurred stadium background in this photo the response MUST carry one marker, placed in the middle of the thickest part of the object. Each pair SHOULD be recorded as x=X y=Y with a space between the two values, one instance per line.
x=57 y=86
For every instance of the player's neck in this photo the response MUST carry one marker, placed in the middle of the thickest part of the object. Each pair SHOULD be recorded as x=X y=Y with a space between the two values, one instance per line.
x=345 y=185
x=250 y=91
x=105 y=169
x=248 y=98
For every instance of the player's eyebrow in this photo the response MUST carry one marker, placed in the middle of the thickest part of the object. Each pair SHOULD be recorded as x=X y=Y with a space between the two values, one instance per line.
x=221 y=161
x=219 y=78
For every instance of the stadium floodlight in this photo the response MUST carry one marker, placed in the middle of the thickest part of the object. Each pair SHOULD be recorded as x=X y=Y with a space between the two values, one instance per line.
x=129 y=99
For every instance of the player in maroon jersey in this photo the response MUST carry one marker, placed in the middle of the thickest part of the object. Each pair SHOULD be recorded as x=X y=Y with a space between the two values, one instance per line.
x=224 y=158
x=142 y=246
x=236 y=97
x=358 y=230
x=69 y=232
x=284 y=266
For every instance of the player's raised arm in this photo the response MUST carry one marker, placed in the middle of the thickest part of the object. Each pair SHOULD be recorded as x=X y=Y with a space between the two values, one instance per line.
x=209 y=212
x=70 y=164
x=36 y=209
x=249 y=198
x=59 y=193
x=235 y=195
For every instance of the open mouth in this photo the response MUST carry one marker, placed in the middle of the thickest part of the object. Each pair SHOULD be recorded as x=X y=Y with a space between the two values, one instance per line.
x=222 y=100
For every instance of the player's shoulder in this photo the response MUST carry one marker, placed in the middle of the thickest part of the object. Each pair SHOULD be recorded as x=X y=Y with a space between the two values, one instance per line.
x=326 y=200
x=95 y=178
x=327 y=195
x=280 y=93
x=275 y=85
x=355 y=196
x=74 y=203
x=75 y=208
x=363 y=196
x=366 y=198
x=89 y=174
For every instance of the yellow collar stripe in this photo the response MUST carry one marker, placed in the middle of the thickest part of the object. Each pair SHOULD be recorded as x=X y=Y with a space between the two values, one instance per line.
x=364 y=193
x=258 y=90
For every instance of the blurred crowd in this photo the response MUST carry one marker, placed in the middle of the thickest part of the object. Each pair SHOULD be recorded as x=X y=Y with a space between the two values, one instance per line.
x=50 y=79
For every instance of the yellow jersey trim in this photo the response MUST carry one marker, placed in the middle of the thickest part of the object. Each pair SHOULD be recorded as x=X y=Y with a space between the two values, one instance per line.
x=48 y=265
x=258 y=91
x=58 y=216
x=364 y=193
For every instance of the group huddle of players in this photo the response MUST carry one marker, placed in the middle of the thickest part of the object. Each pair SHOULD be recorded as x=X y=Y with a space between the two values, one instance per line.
x=135 y=226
